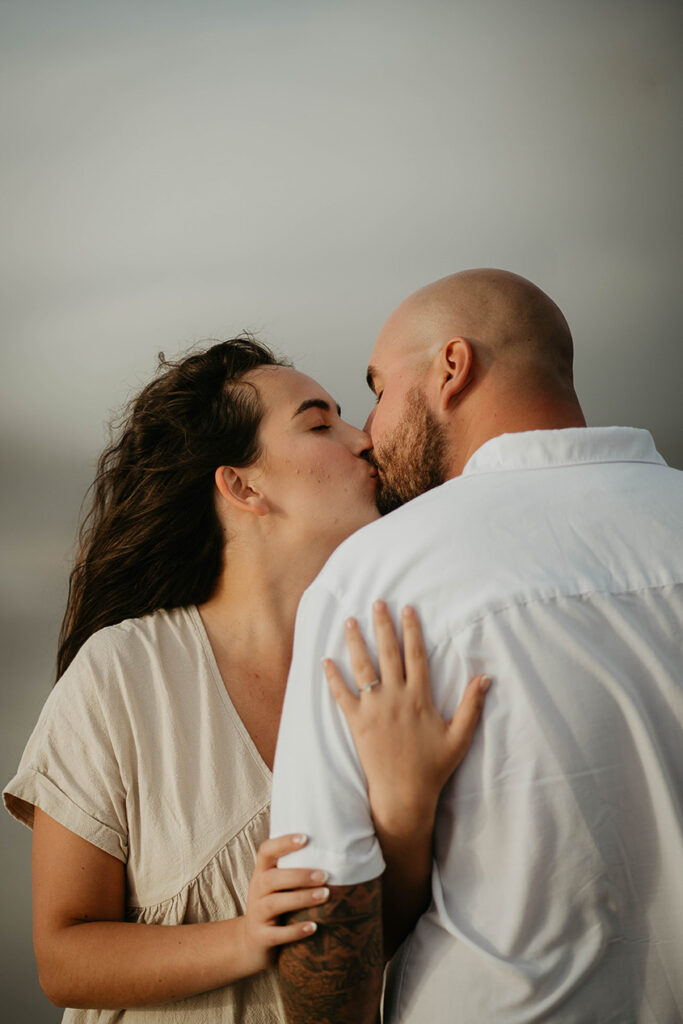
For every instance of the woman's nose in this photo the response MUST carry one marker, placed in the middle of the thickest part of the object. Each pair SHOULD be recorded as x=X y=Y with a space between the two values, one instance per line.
x=368 y=423
x=362 y=441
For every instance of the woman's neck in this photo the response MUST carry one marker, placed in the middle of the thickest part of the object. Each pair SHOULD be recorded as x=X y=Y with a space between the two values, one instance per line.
x=249 y=621
x=253 y=608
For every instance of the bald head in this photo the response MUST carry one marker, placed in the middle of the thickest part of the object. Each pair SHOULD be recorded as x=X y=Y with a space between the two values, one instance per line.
x=472 y=356
x=515 y=330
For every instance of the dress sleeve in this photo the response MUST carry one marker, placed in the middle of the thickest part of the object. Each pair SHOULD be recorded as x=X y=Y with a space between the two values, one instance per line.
x=70 y=768
x=319 y=787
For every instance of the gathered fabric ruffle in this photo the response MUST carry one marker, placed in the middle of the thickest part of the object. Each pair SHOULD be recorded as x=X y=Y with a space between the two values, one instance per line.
x=217 y=893
x=220 y=889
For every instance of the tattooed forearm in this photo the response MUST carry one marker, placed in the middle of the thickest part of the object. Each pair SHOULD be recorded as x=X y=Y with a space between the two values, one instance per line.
x=335 y=976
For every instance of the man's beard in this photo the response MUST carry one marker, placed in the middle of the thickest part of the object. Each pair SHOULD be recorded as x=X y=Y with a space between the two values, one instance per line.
x=413 y=459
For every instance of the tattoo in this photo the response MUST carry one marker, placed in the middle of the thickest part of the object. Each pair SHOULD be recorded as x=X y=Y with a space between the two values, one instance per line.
x=336 y=975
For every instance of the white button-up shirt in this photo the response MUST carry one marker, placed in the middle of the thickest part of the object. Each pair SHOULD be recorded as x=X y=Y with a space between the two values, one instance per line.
x=555 y=564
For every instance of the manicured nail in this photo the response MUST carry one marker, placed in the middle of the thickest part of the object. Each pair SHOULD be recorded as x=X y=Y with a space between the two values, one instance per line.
x=379 y=606
x=408 y=611
x=309 y=927
x=319 y=876
x=350 y=623
x=320 y=894
x=484 y=684
x=300 y=839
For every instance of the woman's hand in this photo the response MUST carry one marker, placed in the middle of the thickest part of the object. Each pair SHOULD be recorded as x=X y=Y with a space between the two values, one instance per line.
x=406 y=748
x=407 y=751
x=275 y=891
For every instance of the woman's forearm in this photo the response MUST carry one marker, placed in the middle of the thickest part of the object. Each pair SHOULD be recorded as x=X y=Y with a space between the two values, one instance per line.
x=406 y=883
x=89 y=957
x=115 y=965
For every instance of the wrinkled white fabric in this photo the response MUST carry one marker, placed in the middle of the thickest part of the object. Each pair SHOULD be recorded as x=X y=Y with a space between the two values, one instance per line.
x=554 y=564
x=139 y=750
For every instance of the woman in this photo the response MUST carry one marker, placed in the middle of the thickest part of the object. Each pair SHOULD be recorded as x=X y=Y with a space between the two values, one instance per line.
x=147 y=778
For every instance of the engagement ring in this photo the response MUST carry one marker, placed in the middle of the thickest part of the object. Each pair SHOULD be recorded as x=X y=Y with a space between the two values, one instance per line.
x=368 y=686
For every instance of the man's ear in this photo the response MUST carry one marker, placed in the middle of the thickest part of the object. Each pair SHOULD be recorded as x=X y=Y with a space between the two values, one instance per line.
x=454 y=367
x=234 y=488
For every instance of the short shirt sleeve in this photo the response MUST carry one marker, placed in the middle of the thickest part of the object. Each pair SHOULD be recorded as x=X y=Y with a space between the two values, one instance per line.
x=70 y=767
x=319 y=787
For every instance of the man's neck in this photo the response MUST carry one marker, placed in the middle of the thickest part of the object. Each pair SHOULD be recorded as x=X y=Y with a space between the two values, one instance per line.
x=509 y=417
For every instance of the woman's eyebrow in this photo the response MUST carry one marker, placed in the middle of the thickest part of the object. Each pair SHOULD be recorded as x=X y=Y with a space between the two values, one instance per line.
x=316 y=403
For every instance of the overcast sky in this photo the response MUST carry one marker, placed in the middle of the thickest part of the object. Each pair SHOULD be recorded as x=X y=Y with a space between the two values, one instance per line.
x=173 y=171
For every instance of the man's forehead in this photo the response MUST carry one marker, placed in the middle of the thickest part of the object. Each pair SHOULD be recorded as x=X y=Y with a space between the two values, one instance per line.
x=387 y=351
x=393 y=355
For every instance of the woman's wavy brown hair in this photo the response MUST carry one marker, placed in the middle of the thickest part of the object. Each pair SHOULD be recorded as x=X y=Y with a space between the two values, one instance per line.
x=151 y=537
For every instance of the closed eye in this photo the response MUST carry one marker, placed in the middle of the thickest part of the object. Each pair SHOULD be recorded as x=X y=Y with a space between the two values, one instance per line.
x=378 y=396
x=323 y=426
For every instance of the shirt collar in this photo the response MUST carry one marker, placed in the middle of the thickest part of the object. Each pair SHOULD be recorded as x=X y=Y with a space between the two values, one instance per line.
x=538 y=449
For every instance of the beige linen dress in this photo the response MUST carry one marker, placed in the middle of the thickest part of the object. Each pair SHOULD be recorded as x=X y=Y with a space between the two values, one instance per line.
x=139 y=751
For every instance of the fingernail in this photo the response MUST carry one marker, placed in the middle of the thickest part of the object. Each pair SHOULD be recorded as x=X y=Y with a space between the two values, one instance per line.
x=319 y=876
x=484 y=684
x=350 y=623
x=408 y=611
x=309 y=927
x=379 y=606
x=320 y=894
x=299 y=839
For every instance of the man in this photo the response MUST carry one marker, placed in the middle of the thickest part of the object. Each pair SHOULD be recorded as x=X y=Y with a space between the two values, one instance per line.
x=549 y=555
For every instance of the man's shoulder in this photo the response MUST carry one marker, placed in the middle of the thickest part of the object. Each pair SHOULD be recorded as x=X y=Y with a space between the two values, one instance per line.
x=495 y=537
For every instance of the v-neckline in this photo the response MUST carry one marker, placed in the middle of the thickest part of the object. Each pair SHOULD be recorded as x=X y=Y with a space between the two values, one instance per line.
x=223 y=691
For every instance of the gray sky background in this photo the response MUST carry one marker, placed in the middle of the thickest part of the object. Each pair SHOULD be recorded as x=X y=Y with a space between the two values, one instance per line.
x=175 y=171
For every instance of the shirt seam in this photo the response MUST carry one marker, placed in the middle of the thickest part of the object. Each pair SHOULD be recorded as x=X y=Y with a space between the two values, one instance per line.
x=553 y=598
x=573 y=464
x=343 y=861
x=529 y=602
x=122 y=839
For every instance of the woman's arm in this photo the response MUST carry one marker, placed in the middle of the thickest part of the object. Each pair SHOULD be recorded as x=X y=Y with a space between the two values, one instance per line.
x=407 y=751
x=89 y=957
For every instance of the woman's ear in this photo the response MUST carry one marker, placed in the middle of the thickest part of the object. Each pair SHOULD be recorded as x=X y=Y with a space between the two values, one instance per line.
x=454 y=369
x=233 y=486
